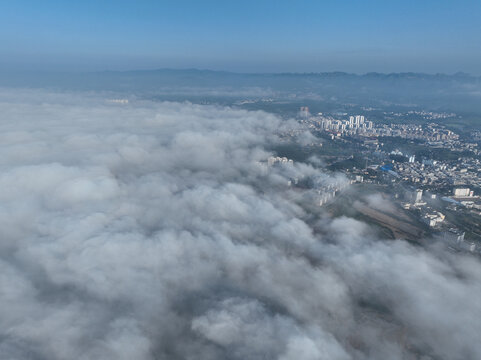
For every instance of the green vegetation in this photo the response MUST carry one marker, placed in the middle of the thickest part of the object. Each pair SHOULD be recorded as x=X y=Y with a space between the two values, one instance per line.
x=416 y=147
x=354 y=162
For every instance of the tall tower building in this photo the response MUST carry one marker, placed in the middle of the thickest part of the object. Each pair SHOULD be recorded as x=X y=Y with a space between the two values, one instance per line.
x=357 y=120
x=418 y=196
x=304 y=112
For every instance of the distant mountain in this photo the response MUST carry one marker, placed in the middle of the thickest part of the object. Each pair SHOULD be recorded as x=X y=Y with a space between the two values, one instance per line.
x=460 y=91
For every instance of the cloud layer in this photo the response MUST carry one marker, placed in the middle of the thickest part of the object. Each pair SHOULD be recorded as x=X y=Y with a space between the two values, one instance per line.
x=150 y=231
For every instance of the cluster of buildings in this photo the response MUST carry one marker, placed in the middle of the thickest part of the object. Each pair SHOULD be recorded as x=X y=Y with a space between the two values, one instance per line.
x=423 y=114
x=457 y=242
x=118 y=101
x=431 y=216
x=429 y=132
x=304 y=112
x=440 y=173
x=358 y=125
x=432 y=134
x=443 y=186
x=272 y=160
x=476 y=135
x=354 y=125
x=465 y=197
x=328 y=191
x=431 y=115
x=327 y=188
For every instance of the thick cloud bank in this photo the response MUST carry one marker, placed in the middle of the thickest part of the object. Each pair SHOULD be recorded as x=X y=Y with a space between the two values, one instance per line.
x=151 y=231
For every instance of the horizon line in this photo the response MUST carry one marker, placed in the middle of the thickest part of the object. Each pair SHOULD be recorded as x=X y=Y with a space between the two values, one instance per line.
x=340 y=72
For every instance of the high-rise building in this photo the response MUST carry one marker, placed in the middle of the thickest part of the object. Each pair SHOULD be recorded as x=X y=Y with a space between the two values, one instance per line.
x=304 y=111
x=461 y=192
x=351 y=122
x=418 y=196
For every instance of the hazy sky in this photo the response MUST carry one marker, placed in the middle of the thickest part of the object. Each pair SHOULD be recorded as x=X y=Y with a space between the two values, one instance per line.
x=356 y=36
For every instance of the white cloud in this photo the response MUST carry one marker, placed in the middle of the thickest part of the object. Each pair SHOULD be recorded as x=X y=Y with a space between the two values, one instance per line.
x=149 y=231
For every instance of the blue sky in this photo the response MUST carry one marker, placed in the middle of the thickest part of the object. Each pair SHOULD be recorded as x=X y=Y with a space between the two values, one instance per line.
x=247 y=36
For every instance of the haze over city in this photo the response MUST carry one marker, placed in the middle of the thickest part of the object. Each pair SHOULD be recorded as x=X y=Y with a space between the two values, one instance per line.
x=240 y=180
